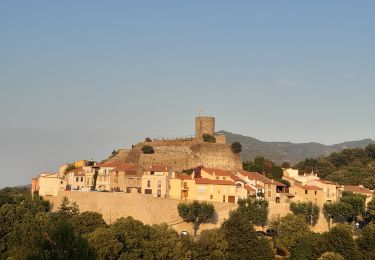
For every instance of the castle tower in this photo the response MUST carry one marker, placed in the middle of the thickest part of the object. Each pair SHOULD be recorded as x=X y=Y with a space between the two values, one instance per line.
x=204 y=125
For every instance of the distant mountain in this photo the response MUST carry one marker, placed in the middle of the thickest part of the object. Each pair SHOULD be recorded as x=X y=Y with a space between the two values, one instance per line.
x=286 y=151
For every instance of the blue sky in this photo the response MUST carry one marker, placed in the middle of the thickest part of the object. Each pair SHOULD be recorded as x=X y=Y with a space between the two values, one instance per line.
x=81 y=78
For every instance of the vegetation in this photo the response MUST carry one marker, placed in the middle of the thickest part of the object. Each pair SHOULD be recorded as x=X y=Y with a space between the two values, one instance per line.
x=350 y=166
x=148 y=149
x=196 y=212
x=148 y=140
x=308 y=210
x=255 y=210
x=69 y=168
x=236 y=147
x=347 y=209
x=209 y=138
x=29 y=230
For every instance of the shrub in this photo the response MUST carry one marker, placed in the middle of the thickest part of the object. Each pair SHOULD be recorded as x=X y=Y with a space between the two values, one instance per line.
x=147 y=149
x=209 y=138
x=236 y=147
x=308 y=210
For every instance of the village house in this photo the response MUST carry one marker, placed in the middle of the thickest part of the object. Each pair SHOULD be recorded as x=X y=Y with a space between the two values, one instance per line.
x=271 y=190
x=155 y=181
x=303 y=179
x=307 y=193
x=126 y=177
x=103 y=179
x=48 y=184
x=331 y=192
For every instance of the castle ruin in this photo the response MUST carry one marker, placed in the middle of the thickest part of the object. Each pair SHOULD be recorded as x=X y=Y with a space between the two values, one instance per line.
x=186 y=153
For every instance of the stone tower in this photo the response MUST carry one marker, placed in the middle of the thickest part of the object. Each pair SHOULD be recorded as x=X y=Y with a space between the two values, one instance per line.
x=204 y=125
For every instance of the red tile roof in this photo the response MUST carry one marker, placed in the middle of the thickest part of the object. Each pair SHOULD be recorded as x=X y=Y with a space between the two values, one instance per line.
x=357 y=189
x=249 y=188
x=217 y=172
x=309 y=187
x=183 y=177
x=159 y=168
x=215 y=182
x=236 y=178
x=257 y=177
x=326 y=182
x=107 y=164
x=125 y=167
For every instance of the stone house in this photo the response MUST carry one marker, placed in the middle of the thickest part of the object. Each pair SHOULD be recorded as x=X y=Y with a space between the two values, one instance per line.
x=48 y=184
x=156 y=181
x=126 y=177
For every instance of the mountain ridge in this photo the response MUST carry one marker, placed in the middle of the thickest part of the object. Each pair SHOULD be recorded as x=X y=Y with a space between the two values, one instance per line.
x=288 y=151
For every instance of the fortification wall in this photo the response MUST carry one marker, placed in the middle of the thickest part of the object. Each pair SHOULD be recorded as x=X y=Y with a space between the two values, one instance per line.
x=142 y=207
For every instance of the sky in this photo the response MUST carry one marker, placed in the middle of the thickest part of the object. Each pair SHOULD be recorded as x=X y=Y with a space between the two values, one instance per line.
x=81 y=78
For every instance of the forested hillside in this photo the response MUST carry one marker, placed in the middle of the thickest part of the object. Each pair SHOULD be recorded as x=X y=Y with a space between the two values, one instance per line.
x=287 y=151
x=350 y=166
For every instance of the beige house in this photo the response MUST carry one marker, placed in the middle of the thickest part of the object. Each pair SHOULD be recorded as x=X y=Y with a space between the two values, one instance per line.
x=331 y=192
x=156 y=181
x=103 y=180
x=293 y=174
x=48 y=184
x=126 y=177
x=271 y=190
x=307 y=193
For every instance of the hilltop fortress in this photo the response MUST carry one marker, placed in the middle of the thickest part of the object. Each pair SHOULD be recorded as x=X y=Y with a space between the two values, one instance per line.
x=185 y=153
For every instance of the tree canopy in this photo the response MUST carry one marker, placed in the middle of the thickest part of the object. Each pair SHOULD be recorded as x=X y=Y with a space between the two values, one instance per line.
x=196 y=212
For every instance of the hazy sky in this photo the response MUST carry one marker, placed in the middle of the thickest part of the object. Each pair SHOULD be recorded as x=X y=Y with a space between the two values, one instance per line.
x=81 y=78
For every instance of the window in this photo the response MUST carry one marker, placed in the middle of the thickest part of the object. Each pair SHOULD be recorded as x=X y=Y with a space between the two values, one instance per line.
x=315 y=192
x=217 y=178
x=148 y=184
x=224 y=178
x=306 y=191
x=269 y=193
x=76 y=179
x=211 y=197
x=223 y=198
x=159 y=184
x=81 y=179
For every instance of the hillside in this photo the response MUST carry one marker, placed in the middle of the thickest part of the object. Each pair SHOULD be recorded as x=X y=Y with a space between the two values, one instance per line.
x=286 y=151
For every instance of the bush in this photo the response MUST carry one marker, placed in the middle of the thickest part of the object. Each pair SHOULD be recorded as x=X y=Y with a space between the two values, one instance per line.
x=147 y=149
x=236 y=147
x=308 y=210
x=209 y=138
x=148 y=140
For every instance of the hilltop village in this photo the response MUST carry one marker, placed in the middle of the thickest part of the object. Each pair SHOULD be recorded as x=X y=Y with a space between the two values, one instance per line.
x=202 y=167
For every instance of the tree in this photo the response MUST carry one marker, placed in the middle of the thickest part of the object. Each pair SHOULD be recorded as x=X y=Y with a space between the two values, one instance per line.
x=331 y=256
x=357 y=201
x=87 y=222
x=255 y=210
x=370 y=151
x=338 y=211
x=211 y=245
x=276 y=173
x=285 y=165
x=148 y=140
x=236 y=147
x=68 y=209
x=195 y=213
x=366 y=242
x=70 y=168
x=209 y=138
x=105 y=243
x=340 y=240
x=308 y=247
x=290 y=229
x=371 y=208
x=148 y=149
x=308 y=210
x=242 y=240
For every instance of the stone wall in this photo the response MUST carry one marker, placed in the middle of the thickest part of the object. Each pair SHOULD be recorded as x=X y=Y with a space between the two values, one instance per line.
x=152 y=210
x=142 y=207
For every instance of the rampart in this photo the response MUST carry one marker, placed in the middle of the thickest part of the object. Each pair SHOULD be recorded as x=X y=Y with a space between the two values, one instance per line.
x=152 y=210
